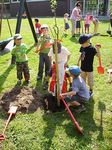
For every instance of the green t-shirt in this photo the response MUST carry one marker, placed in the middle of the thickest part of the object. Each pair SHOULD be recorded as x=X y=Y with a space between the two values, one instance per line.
x=20 y=52
x=42 y=41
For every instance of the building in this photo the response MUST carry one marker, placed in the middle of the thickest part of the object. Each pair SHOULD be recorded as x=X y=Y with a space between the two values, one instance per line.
x=42 y=7
x=95 y=7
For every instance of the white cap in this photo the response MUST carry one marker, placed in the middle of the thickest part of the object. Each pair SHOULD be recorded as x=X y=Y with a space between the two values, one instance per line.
x=17 y=37
x=44 y=26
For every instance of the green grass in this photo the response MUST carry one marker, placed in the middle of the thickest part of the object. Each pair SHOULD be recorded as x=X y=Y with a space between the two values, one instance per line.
x=39 y=131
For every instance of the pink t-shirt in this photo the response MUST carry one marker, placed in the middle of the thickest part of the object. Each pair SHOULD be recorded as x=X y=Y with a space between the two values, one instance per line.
x=87 y=20
x=75 y=14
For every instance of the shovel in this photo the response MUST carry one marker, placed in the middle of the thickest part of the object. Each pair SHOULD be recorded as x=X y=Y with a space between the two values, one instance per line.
x=79 y=129
x=100 y=68
x=11 y=112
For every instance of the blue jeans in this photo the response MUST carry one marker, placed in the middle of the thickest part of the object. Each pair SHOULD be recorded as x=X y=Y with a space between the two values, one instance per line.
x=43 y=59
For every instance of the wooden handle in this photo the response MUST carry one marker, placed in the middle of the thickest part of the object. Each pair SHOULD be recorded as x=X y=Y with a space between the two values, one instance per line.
x=7 y=123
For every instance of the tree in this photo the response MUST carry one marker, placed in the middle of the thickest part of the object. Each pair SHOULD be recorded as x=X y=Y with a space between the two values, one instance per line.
x=56 y=38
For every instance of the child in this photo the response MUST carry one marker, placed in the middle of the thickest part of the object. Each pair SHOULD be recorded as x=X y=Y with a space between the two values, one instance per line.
x=87 y=21
x=75 y=16
x=43 y=48
x=19 y=50
x=96 y=23
x=63 y=58
x=87 y=57
x=37 y=27
x=79 y=94
x=66 y=24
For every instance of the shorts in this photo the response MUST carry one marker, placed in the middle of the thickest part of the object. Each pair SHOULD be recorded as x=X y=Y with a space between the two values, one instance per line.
x=87 y=25
x=67 y=26
x=76 y=98
x=78 y=25
x=89 y=77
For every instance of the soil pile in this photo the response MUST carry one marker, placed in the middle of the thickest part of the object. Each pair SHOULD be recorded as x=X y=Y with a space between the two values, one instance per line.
x=27 y=99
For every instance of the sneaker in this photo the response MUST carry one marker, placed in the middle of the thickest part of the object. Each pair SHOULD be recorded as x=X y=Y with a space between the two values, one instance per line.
x=91 y=94
x=39 y=78
x=80 y=109
x=19 y=82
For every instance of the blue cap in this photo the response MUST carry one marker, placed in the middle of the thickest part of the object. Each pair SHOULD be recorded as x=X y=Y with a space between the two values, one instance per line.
x=74 y=70
x=84 y=37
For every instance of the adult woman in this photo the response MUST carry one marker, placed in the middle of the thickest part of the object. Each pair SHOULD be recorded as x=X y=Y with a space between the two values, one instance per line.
x=75 y=17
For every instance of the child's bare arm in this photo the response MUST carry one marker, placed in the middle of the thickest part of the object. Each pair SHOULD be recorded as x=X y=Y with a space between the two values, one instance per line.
x=37 y=48
x=68 y=58
x=69 y=93
x=98 y=46
x=78 y=63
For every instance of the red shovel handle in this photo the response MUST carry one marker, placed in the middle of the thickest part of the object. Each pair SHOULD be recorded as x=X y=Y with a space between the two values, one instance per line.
x=2 y=137
x=100 y=63
x=72 y=117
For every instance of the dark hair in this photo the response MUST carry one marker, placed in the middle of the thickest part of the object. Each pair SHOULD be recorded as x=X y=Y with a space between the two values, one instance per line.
x=58 y=46
x=36 y=19
x=77 y=4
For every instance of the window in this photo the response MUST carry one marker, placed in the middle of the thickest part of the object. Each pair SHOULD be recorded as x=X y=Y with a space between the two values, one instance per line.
x=36 y=0
x=6 y=1
x=15 y=1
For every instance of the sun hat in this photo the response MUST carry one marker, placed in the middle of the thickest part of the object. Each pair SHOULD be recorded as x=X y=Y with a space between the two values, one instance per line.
x=84 y=37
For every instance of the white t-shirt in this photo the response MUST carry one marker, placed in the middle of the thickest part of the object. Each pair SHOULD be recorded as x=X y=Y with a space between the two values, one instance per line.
x=62 y=56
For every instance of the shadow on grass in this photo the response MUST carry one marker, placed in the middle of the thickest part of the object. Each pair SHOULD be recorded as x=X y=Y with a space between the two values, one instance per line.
x=102 y=108
x=39 y=87
x=85 y=120
x=4 y=76
x=53 y=122
x=74 y=39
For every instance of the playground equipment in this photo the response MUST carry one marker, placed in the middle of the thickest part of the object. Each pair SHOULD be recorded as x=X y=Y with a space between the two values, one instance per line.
x=3 y=8
x=6 y=45
x=23 y=6
x=12 y=111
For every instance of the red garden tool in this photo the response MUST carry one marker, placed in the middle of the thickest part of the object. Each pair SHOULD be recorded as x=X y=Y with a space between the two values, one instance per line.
x=100 y=68
x=11 y=112
x=80 y=130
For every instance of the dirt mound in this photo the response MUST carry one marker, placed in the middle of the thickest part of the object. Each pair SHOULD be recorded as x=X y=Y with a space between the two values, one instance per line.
x=27 y=99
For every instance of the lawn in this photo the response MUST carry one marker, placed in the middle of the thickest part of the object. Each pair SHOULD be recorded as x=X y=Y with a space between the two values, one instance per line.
x=56 y=131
